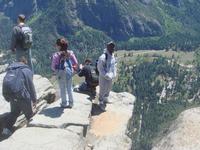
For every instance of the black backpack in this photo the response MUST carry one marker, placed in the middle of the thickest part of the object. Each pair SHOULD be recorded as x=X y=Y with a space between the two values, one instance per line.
x=95 y=76
x=13 y=85
x=96 y=63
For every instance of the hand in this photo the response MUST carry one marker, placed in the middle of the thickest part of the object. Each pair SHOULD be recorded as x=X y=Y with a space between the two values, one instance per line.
x=81 y=66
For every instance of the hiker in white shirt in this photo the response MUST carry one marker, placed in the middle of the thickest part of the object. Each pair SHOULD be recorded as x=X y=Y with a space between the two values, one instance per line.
x=107 y=72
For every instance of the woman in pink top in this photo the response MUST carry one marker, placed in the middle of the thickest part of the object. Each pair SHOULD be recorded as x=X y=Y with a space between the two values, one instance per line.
x=64 y=64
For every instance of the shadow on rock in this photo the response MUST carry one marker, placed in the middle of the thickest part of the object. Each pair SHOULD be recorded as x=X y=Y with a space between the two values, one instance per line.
x=54 y=112
x=96 y=110
x=91 y=96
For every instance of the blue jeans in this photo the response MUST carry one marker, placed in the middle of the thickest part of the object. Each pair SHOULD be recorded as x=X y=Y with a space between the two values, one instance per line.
x=65 y=88
x=27 y=54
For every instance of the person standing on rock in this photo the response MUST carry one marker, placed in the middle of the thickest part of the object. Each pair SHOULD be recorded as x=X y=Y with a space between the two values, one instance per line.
x=64 y=64
x=107 y=72
x=19 y=90
x=21 y=41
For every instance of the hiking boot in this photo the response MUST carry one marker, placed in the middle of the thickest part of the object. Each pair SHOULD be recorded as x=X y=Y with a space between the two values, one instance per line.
x=106 y=101
x=63 y=106
x=66 y=106
x=102 y=107
x=71 y=104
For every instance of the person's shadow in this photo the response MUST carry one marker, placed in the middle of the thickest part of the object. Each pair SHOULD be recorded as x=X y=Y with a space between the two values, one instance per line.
x=54 y=112
x=91 y=96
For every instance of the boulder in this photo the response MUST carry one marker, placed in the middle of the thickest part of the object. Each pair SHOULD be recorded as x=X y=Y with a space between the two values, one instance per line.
x=108 y=129
x=183 y=134
x=43 y=139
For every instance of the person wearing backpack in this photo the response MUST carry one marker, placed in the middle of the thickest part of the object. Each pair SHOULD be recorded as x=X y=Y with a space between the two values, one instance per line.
x=64 y=64
x=107 y=72
x=21 y=41
x=91 y=78
x=18 y=89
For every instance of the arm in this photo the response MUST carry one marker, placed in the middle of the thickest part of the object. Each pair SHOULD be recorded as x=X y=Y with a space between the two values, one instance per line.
x=101 y=66
x=81 y=72
x=74 y=61
x=113 y=70
x=13 y=40
x=29 y=84
x=54 y=61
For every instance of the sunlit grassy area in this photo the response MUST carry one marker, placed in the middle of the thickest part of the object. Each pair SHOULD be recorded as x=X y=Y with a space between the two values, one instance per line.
x=130 y=56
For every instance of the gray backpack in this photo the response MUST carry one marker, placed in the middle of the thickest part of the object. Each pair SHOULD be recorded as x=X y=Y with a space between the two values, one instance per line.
x=26 y=37
x=13 y=85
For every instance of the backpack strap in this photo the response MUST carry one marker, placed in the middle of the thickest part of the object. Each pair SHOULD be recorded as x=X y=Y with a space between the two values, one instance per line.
x=106 y=55
x=68 y=61
x=19 y=34
x=106 y=58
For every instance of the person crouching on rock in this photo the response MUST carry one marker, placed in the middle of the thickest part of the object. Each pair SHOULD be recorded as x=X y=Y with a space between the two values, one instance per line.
x=19 y=90
x=91 y=78
x=63 y=64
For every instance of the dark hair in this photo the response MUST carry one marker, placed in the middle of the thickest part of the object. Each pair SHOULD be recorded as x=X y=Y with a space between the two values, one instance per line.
x=88 y=61
x=22 y=18
x=23 y=60
x=62 y=43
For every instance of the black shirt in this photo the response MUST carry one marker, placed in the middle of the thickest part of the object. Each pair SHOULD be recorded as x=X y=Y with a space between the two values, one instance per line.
x=86 y=72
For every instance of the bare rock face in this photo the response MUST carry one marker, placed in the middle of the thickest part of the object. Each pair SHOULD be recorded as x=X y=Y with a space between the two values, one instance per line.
x=105 y=15
x=43 y=139
x=76 y=120
x=108 y=130
x=58 y=128
x=184 y=133
x=54 y=128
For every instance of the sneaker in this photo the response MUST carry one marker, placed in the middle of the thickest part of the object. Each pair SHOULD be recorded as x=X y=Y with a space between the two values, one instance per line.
x=6 y=132
x=69 y=106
